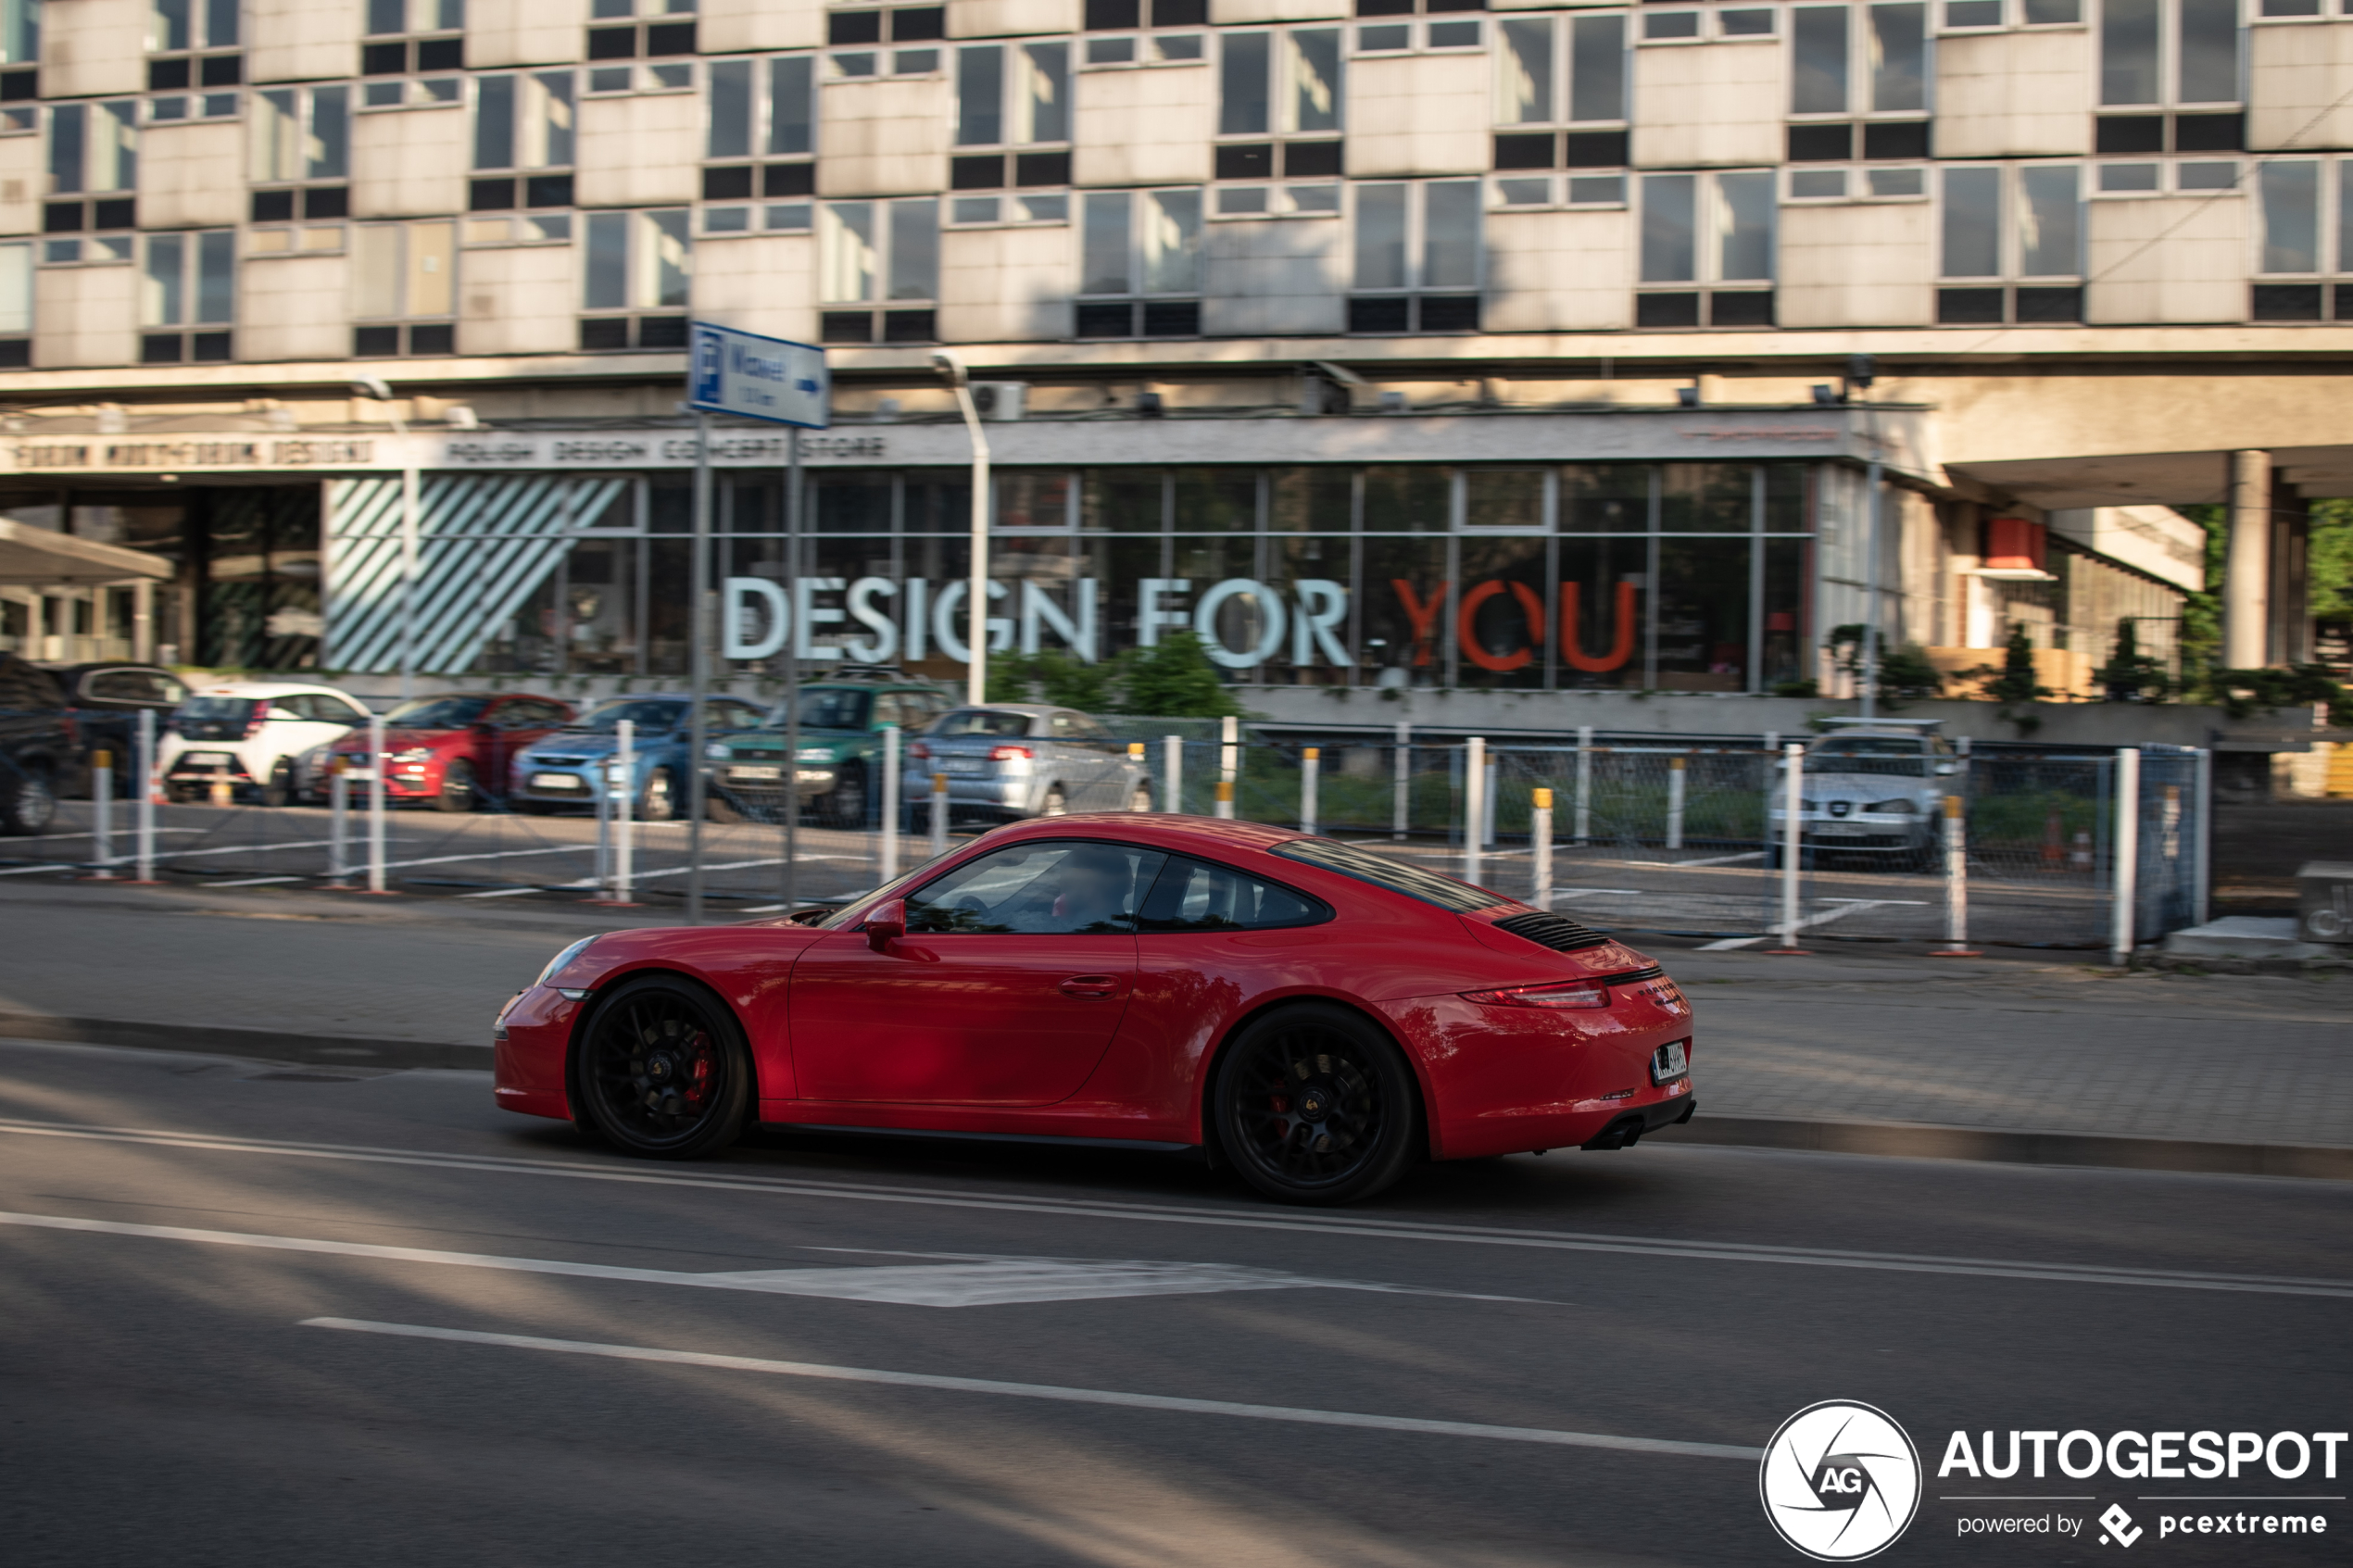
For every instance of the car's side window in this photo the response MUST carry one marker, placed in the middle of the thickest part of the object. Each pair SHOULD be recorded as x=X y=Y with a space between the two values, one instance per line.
x=1196 y=895
x=1055 y=886
x=333 y=710
x=886 y=710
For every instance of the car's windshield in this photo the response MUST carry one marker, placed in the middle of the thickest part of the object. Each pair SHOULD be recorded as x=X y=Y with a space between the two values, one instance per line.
x=437 y=713
x=826 y=707
x=1885 y=757
x=216 y=708
x=982 y=722
x=644 y=714
x=1395 y=875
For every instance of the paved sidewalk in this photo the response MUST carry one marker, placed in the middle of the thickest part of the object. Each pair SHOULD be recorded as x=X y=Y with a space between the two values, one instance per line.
x=2001 y=1044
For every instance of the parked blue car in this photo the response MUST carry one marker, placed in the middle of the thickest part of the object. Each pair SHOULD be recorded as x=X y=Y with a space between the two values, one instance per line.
x=561 y=769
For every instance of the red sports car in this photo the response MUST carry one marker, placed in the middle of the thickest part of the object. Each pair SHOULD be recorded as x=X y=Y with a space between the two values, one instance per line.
x=1313 y=1013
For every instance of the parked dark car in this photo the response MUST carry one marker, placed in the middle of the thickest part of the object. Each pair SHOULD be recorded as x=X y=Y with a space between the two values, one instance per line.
x=37 y=746
x=103 y=703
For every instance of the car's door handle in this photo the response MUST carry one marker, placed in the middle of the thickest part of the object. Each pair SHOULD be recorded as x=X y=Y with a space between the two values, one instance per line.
x=1090 y=986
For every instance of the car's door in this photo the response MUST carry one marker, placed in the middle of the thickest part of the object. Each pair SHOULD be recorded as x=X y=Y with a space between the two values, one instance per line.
x=1008 y=986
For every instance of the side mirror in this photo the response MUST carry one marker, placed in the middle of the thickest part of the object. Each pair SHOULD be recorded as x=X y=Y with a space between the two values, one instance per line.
x=887 y=924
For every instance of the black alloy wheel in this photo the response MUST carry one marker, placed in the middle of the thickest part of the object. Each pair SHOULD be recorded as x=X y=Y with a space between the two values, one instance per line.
x=662 y=1071
x=1314 y=1105
x=659 y=802
x=26 y=802
x=846 y=802
x=457 y=788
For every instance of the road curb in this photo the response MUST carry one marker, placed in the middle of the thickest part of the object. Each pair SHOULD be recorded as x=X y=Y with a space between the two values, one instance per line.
x=1921 y=1141
x=269 y=1045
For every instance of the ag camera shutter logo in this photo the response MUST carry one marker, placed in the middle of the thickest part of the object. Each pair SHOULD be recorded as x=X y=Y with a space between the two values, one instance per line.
x=1841 y=1481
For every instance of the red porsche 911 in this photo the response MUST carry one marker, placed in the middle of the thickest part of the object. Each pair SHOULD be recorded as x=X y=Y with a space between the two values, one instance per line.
x=1312 y=1013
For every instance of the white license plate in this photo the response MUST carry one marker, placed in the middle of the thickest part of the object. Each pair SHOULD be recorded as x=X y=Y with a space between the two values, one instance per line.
x=962 y=765
x=756 y=773
x=1669 y=1063
x=1842 y=830
x=555 y=781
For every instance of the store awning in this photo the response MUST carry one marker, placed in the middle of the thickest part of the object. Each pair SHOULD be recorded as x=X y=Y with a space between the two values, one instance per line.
x=41 y=557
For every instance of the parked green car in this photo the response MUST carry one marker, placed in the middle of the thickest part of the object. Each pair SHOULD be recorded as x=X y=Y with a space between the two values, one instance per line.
x=840 y=765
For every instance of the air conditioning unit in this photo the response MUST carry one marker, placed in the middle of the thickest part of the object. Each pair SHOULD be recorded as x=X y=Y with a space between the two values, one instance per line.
x=1001 y=399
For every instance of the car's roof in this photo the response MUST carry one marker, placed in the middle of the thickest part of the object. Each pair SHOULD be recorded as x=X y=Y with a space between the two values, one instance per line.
x=266 y=688
x=1029 y=709
x=1155 y=827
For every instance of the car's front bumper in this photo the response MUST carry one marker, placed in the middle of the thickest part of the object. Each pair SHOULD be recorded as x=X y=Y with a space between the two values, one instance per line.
x=530 y=1045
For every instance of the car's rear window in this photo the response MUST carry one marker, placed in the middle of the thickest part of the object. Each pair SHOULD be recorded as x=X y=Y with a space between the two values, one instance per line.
x=1396 y=875
x=644 y=715
x=216 y=708
x=982 y=722
x=825 y=708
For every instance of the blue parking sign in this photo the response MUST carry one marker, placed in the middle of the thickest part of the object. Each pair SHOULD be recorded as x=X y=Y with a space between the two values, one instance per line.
x=758 y=378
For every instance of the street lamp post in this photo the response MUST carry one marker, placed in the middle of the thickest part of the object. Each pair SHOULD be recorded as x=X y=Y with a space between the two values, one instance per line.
x=977 y=588
x=374 y=388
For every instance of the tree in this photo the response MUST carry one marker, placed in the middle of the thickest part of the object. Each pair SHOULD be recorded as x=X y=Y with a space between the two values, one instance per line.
x=2014 y=681
x=2131 y=675
x=1904 y=672
x=1051 y=676
x=1173 y=680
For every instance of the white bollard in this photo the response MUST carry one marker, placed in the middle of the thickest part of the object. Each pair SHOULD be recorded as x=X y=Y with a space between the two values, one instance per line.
x=1474 y=810
x=1311 y=765
x=376 y=803
x=2127 y=859
x=939 y=815
x=1584 y=782
x=1138 y=800
x=624 y=810
x=1172 y=767
x=890 y=804
x=1675 y=772
x=1229 y=752
x=338 y=826
x=1540 y=842
x=602 y=874
x=1222 y=809
x=102 y=814
x=1400 y=811
x=1793 y=844
x=143 y=820
x=1956 y=886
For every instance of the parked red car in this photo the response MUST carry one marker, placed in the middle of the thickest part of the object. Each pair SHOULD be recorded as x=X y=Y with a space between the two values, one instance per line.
x=1315 y=1014
x=452 y=750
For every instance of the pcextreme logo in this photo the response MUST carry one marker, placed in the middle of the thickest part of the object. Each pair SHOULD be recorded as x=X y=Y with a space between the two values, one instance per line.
x=1841 y=1481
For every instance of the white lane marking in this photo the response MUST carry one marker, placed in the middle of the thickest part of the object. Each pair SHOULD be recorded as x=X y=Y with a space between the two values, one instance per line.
x=1047 y=1391
x=1846 y=907
x=253 y=881
x=973 y=1280
x=120 y=832
x=1711 y=861
x=1101 y=1208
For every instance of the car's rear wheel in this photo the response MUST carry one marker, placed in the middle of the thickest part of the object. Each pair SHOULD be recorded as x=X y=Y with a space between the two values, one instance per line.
x=278 y=788
x=26 y=802
x=846 y=802
x=1056 y=804
x=663 y=1072
x=1140 y=798
x=457 y=788
x=660 y=801
x=1313 y=1104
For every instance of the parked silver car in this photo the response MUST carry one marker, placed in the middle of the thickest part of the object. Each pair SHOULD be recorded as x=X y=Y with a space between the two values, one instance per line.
x=1023 y=759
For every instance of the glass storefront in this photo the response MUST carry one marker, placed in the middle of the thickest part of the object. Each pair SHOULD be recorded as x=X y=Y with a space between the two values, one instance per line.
x=1678 y=577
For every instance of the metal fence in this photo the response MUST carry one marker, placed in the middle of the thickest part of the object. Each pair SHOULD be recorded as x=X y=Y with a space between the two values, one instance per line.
x=1652 y=837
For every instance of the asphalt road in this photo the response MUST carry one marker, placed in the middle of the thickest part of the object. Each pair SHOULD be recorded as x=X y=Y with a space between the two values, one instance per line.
x=1561 y=1360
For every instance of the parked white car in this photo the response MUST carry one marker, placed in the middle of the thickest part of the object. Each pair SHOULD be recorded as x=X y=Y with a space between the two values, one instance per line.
x=1873 y=788
x=252 y=733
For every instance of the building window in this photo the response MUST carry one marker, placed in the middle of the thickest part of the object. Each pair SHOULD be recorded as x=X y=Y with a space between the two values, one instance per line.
x=1713 y=235
x=20 y=46
x=640 y=29
x=411 y=37
x=1416 y=257
x=637 y=273
x=903 y=24
x=94 y=161
x=188 y=287
x=178 y=107
x=300 y=152
x=1397 y=38
x=878 y=271
x=2181 y=55
x=1015 y=97
x=1566 y=72
x=1866 y=61
x=761 y=130
x=524 y=123
x=1280 y=105
x=1139 y=264
x=404 y=289
x=193 y=44
x=2012 y=245
x=2295 y=202
x=16 y=305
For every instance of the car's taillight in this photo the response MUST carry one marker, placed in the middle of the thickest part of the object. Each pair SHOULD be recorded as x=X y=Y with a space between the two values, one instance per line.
x=1566 y=993
x=260 y=716
x=1008 y=754
x=919 y=750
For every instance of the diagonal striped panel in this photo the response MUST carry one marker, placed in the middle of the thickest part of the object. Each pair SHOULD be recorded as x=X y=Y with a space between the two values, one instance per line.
x=484 y=543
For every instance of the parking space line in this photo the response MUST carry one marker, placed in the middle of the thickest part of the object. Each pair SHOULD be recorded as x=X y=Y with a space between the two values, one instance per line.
x=1845 y=907
x=1153 y=1213
x=820 y=1372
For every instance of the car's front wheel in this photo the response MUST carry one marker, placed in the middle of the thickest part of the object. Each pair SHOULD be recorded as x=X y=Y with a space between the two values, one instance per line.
x=658 y=803
x=457 y=788
x=663 y=1071
x=27 y=803
x=846 y=802
x=1313 y=1104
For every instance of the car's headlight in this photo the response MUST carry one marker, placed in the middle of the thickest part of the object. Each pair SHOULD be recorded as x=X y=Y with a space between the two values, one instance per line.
x=715 y=752
x=555 y=964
